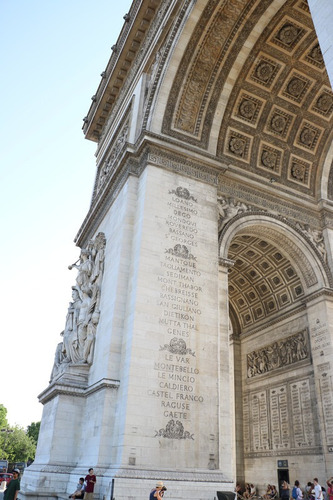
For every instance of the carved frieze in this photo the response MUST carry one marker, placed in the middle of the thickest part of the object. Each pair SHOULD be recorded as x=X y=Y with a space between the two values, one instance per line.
x=109 y=163
x=278 y=354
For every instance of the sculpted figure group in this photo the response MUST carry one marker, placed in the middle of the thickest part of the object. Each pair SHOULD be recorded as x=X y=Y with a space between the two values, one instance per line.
x=228 y=208
x=83 y=312
x=281 y=353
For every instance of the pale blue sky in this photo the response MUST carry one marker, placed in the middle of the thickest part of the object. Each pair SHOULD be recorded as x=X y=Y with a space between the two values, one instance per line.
x=52 y=53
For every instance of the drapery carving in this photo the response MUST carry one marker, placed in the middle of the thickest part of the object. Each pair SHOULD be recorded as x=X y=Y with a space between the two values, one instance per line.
x=83 y=312
x=229 y=208
x=282 y=353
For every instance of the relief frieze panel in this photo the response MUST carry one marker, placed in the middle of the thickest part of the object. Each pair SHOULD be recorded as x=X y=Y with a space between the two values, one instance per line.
x=278 y=354
x=206 y=62
x=108 y=165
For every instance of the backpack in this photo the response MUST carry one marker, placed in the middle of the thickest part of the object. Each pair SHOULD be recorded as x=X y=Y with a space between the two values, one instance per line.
x=294 y=492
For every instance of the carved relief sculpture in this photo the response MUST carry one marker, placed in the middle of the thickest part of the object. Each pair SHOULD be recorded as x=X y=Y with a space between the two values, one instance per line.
x=229 y=208
x=83 y=312
x=316 y=238
x=273 y=356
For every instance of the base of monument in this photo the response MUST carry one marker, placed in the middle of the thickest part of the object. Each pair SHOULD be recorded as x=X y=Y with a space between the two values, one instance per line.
x=124 y=484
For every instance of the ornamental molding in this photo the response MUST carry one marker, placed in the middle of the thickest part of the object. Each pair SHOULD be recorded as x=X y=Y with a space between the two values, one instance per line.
x=173 y=475
x=127 y=164
x=178 y=164
x=160 y=60
x=127 y=55
x=70 y=389
x=269 y=202
x=323 y=293
x=59 y=469
x=106 y=197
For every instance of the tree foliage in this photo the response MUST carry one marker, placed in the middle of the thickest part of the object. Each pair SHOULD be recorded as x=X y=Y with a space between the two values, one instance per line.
x=16 y=445
x=33 y=431
x=3 y=417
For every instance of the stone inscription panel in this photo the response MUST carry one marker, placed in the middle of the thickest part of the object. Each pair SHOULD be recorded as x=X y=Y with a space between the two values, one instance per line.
x=183 y=369
x=320 y=339
x=326 y=395
x=279 y=418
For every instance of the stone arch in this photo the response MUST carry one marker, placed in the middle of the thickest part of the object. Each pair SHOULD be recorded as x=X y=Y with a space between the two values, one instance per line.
x=275 y=269
x=312 y=269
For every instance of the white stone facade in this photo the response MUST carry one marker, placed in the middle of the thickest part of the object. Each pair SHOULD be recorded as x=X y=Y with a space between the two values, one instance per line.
x=210 y=321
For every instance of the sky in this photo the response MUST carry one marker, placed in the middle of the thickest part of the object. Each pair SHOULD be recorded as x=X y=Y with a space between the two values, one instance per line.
x=52 y=53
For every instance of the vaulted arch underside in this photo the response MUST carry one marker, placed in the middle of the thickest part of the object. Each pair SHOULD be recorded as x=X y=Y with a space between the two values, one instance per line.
x=252 y=89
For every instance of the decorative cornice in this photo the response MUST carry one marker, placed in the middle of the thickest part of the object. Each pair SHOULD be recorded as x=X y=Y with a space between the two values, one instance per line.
x=324 y=292
x=132 y=162
x=255 y=195
x=179 y=164
x=197 y=476
x=132 y=41
x=73 y=389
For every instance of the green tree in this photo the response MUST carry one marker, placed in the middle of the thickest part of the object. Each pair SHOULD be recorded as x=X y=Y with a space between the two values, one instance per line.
x=16 y=445
x=3 y=417
x=33 y=431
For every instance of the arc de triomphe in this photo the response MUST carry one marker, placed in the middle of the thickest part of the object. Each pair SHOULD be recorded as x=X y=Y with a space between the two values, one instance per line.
x=197 y=348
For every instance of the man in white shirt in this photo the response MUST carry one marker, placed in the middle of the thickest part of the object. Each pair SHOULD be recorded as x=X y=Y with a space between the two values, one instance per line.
x=317 y=488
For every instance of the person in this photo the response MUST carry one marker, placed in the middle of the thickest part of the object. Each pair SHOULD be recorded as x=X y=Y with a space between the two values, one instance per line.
x=329 y=483
x=90 y=480
x=239 y=490
x=79 y=492
x=270 y=492
x=324 y=492
x=307 y=490
x=317 y=488
x=158 y=491
x=253 y=490
x=247 y=493
x=274 y=492
x=13 y=486
x=285 y=491
x=299 y=492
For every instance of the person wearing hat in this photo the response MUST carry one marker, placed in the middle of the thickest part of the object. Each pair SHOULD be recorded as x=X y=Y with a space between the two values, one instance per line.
x=13 y=487
x=158 y=491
